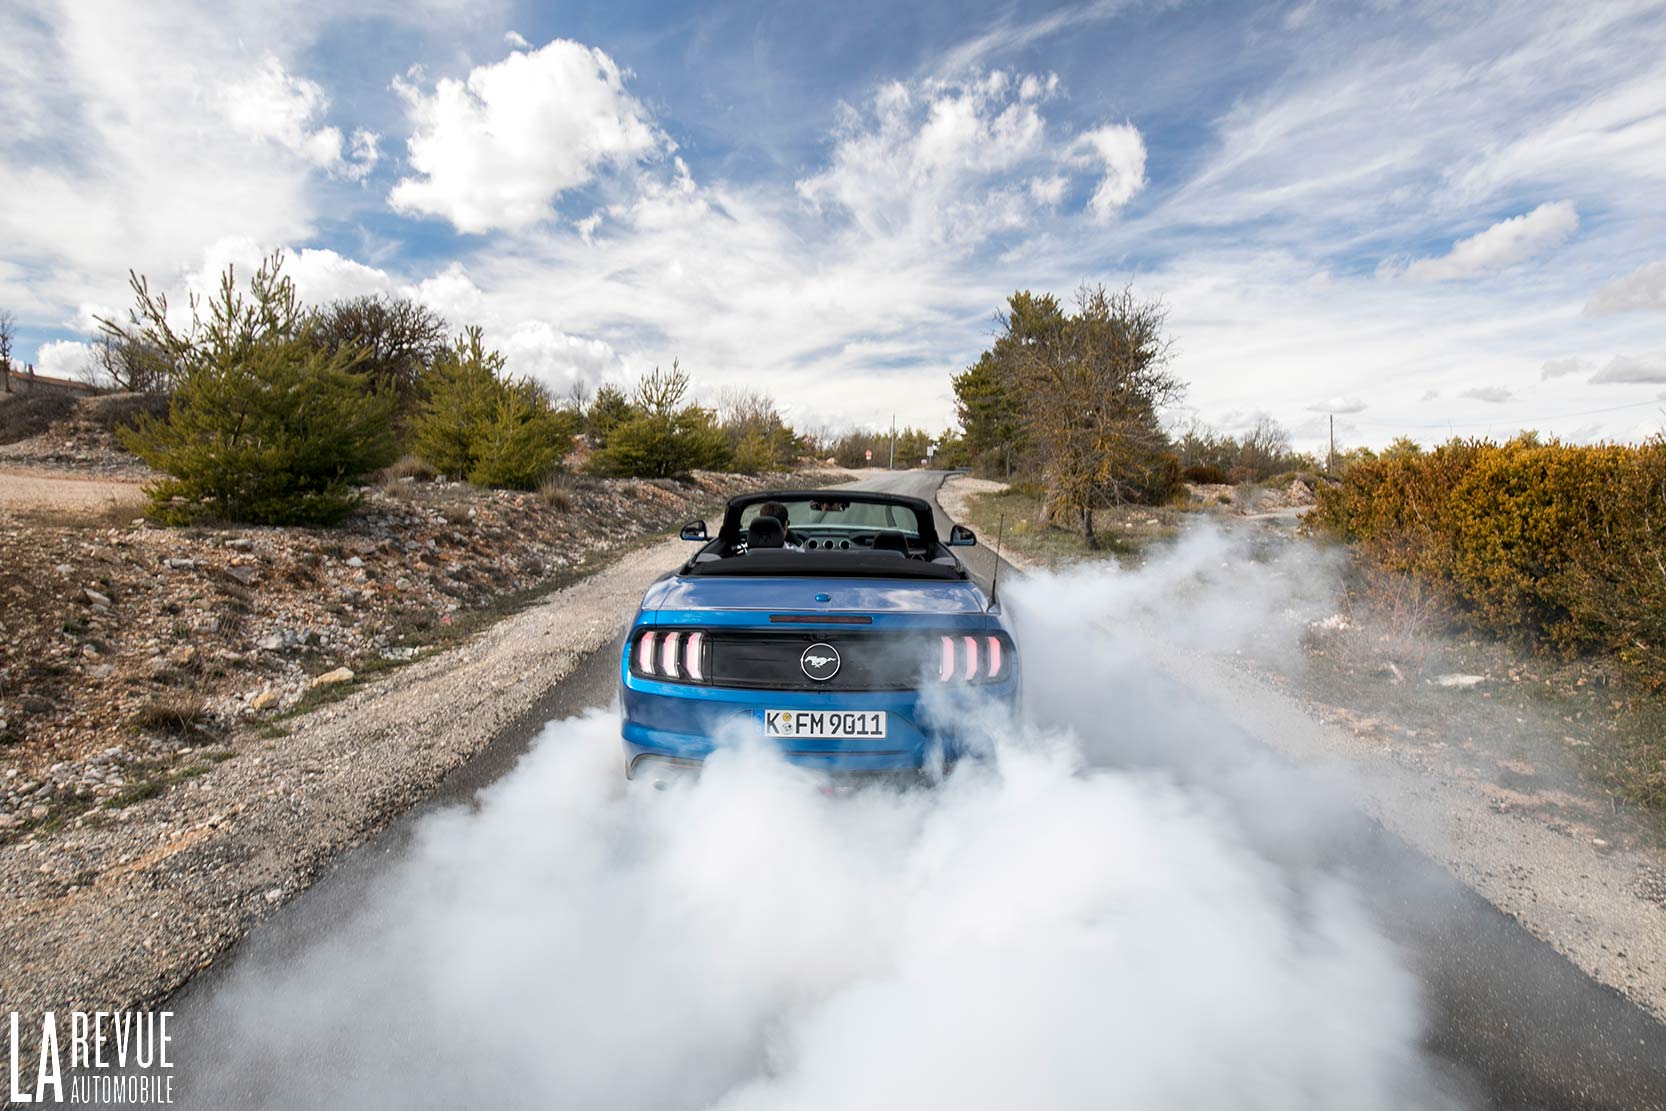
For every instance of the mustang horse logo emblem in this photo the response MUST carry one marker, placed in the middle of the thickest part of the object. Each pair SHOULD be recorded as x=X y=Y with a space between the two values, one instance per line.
x=820 y=662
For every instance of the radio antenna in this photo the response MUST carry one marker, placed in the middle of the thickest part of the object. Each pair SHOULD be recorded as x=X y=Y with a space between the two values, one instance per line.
x=995 y=579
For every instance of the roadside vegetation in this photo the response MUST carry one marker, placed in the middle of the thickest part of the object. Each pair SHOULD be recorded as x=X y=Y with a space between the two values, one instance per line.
x=266 y=425
x=1556 y=550
x=1067 y=406
x=1542 y=561
x=259 y=409
x=1545 y=544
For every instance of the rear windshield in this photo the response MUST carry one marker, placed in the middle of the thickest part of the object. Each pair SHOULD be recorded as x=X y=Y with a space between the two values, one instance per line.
x=809 y=516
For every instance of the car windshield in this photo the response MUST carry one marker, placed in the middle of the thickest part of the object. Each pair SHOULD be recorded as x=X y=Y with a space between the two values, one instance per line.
x=813 y=516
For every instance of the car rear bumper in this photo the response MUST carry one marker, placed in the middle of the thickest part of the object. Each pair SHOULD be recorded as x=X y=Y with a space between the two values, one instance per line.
x=679 y=725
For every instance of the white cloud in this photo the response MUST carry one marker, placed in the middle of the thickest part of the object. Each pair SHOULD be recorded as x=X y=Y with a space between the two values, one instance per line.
x=1493 y=395
x=133 y=160
x=925 y=213
x=1048 y=191
x=517 y=40
x=1626 y=369
x=1644 y=288
x=1615 y=131
x=1562 y=368
x=495 y=150
x=1338 y=405
x=1121 y=150
x=320 y=275
x=277 y=106
x=1033 y=87
x=931 y=163
x=1504 y=244
x=65 y=358
x=452 y=294
x=543 y=352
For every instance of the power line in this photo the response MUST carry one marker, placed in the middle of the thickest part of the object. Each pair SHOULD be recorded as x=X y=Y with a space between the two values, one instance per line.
x=1504 y=420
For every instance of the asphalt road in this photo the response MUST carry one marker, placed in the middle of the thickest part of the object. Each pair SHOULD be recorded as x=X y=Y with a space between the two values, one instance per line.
x=1512 y=1024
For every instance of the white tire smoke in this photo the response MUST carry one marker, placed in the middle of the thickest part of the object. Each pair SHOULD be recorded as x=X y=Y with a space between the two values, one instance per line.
x=1034 y=932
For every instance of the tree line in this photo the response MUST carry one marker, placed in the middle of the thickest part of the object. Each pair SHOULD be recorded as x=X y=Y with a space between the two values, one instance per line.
x=272 y=411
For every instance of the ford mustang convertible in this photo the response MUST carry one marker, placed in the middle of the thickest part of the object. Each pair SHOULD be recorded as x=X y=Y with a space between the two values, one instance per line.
x=823 y=621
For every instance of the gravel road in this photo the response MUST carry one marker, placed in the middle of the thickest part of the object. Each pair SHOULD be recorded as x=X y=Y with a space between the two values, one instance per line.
x=43 y=489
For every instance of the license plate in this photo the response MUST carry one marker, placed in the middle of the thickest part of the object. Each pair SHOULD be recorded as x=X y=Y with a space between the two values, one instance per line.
x=825 y=724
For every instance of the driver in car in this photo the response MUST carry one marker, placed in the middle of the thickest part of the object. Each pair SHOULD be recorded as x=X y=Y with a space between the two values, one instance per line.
x=779 y=512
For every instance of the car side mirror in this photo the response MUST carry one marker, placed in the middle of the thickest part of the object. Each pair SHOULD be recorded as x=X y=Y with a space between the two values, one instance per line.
x=694 y=530
x=962 y=537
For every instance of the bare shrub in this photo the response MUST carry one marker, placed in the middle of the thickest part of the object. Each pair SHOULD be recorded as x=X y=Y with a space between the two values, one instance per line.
x=556 y=494
x=124 y=410
x=411 y=467
x=26 y=415
x=173 y=714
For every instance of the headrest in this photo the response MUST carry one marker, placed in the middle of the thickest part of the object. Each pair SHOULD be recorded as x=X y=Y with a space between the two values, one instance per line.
x=765 y=532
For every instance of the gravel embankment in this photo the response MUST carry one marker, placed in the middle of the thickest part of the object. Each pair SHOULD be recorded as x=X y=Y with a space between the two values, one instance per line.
x=111 y=916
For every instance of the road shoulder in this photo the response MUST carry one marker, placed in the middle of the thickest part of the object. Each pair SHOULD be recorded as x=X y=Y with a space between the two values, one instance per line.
x=117 y=915
x=1599 y=904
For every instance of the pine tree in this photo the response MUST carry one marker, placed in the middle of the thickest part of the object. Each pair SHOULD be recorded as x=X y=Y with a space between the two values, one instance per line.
x=264 y=427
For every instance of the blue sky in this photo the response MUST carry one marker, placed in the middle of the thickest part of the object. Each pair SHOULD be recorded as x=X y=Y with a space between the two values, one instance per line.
x=1424 y=217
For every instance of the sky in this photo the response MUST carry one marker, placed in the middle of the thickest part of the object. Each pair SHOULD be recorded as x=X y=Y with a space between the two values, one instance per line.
x=1421 y=218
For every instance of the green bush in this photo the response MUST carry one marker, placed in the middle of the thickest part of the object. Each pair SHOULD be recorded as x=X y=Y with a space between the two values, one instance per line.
x=1548 y=543
x=664 y=446
x=524 y=442
x=263 y=426
x=664 y=438
x=476 y=425
x=755 y=453
x=607 y=410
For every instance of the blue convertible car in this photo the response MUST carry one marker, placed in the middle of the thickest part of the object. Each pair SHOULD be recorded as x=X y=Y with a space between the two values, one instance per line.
x=818 y=620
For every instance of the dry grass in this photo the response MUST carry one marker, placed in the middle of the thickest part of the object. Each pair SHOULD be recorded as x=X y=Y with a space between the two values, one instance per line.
x=406 y=467
x=1399 y=617
x=174 y=714
x=23 y=415
x=556 y=493
x=124 y=410
x=1124 y=532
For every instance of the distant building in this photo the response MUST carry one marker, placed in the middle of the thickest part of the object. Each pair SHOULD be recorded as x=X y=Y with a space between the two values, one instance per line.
x=26 y=381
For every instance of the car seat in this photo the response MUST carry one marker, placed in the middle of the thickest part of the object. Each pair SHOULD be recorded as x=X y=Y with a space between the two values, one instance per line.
x=890 y=542
x=765 y=532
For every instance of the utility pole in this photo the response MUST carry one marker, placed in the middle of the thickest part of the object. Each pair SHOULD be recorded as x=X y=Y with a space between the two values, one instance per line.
x=1330 y=466
x=892 y=465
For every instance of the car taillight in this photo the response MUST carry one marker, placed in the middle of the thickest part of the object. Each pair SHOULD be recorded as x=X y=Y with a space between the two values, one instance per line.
x=669 y=655
x=668 y=661
x=973 y=659
x=691 y=656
